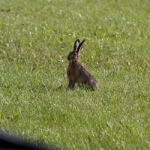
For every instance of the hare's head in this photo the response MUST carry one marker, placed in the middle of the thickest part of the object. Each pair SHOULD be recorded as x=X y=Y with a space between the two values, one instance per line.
x=75 y=53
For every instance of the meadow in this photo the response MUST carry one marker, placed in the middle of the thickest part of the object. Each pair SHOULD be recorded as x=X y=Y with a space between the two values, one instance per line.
x=35 y=38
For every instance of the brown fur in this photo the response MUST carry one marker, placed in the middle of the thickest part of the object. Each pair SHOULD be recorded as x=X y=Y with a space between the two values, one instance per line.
x=76 y=72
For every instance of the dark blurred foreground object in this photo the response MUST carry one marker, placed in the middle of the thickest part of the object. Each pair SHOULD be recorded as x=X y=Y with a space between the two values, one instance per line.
x=8 y=142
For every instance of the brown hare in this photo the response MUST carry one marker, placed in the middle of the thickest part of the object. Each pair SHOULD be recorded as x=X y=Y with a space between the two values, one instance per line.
x=76 y=72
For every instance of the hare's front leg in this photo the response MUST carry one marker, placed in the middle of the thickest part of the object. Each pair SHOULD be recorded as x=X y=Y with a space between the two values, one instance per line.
x=71 y=84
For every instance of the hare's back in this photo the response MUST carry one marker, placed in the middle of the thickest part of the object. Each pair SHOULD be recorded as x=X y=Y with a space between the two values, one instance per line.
x=84 y=74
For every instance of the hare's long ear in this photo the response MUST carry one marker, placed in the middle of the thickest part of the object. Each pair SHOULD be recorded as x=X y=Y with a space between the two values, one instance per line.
x=80 y=46
x=76 y=44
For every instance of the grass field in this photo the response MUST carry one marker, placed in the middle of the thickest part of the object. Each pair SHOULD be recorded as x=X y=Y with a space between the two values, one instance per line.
x=35 y=38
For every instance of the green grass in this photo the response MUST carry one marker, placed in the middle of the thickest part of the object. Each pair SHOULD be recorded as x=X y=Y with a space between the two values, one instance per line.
x=35 y=38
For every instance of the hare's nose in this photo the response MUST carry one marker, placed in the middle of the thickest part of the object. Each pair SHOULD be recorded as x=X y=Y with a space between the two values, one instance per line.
x=68 y=58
